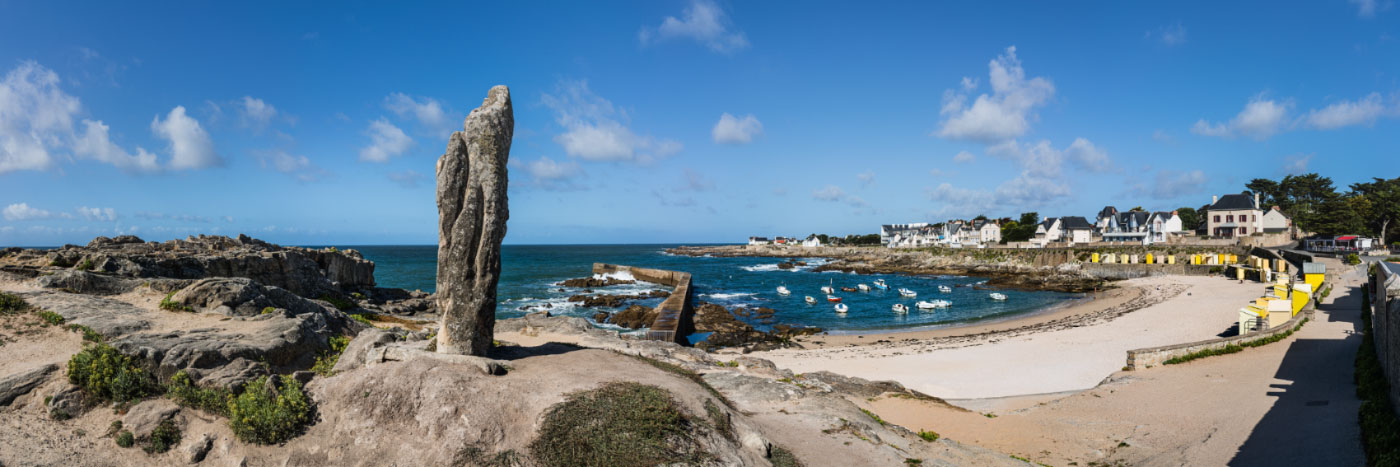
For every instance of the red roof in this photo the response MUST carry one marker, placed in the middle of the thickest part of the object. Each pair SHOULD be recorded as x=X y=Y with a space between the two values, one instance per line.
x=1346 y=237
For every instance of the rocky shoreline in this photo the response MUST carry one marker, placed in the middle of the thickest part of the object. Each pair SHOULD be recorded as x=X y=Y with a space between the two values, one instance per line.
x=1002 y=271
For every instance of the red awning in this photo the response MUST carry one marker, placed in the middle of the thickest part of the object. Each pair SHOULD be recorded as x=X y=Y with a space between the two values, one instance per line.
x=1346 y=238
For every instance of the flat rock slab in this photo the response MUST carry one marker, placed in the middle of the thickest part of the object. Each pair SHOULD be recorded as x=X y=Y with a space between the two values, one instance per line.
x=282 y=342
x=144 y=417
x=110 y=318
x=21 y=383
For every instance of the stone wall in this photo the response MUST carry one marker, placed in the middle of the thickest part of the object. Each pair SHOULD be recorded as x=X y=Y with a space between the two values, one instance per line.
x=1153 y=356
x=1385 y=324
x=1116 y=271
x=675 y=318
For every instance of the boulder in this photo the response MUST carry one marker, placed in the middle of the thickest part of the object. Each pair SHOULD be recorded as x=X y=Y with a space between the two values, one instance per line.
x=110 y=318
x=354 y=354
x=21 y=383
x=143 y=417
x=67 y=403
x=239 y=296
x=197 y=449
x=634 y=317
x=284 y=343
x=472 y=214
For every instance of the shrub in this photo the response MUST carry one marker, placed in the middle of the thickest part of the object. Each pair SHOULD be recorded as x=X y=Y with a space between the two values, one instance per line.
x=263 y=415
x=163 y=437
x=361 y=318
x=51 y=317
x=326 y=362
x=12 y=304
x=1353 y=259
x=184 y=392
x=126 y=439
x=86 y=265
x=928 y=435
x=269 y=309
x=106 y=374
x=621 y=423
x=782 y=458
x=88 y=334
x=171 y=305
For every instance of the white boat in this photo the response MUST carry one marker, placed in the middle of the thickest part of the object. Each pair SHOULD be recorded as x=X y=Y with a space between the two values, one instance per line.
x=880 y=284
x=945 y=289
x=997 y=296
x=933 y=304
x=900 y=308
x=826 y=289
x=908 y=293
x=783 y=290
x=863 y=287
x=810 y=300
x=841 y=308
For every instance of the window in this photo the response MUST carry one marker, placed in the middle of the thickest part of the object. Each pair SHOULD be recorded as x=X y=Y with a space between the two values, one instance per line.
x=1217 y=218
x=1243 y=230
x=1230 y=218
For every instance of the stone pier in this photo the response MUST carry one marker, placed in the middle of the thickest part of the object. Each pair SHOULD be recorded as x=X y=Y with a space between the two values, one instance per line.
x=675 y=317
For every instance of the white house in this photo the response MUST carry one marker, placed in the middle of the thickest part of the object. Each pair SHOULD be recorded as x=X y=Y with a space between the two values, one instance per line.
x=1275 y=222
x=1127 y=227
x=1076 y=230
x=888 y=232
x=1162 y=224
x=1049 y=230
x=812 y=242
x=987 y=231
x=758 y=240
x=1236 y=215
x=1107 y=215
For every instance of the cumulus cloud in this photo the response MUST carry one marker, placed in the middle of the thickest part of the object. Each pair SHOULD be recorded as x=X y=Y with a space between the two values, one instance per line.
x=704 y=22
x=1363 y=111
x=734 y=130
x=428 y=112
x=22 y=212
x=1260 y=119
x=299 y=167
x=95 y=143
x=190 y=146
x=1170 y=185
x=386 y=141
x=1042 y=159
x=98 y=214
x=594 y=129
x=35 y=117
x=964 y=157
x=1004 y=114
x=256 y=113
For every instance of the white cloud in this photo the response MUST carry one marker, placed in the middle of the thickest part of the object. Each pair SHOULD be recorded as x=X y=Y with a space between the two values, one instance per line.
x=594 y=128
x=407 y=178
x=937 y=172
x=1364 y=111
x=35 y=117
x=96 y=144
x=705 y=22
x=733 y=130
x=1365 y=8
x=1004 y=114
x=1260 y=119
x=1297 y=164
x=256 y=113
x=1088 y=156
x=1043 y=160
x=1023 y=193
x=829 y=193
x=297 y=166
x=964 y=157
x=427 y=111
x=866 y=178
x=1173 y=34
x=22 y=212
x=98 y=214
x=386 y=141
x=190 y=146
x=549 y=174
x=1171 y=185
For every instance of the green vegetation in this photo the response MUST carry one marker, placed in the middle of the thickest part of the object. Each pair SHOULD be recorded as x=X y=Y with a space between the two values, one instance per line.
x=339 y=303
x=873 y=416
x=331 y=250
x=357 y=295
x=621 y=423
x=163 y=437
x=687 y=374
x=171 y=305
x=183 y=391
x=269 y=309
x=1020 y=230
x=361 y=318
x=1380 y=428
x=1315 y=205
x=723 y=424
x=782 y=457
x=88 y=334
x=51 y=317
x=1325 y=292
x=1235 y=348
x=126 y=439
x=265 y=415
x=1393 y=259
x=1353 y=259
x=929 y=436
x=11 y=304
x=326 y=362
x=86 y=265
x=1190 y=218
x=105 y=374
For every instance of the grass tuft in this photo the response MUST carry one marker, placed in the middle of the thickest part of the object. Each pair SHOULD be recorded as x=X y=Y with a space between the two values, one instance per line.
x=929 y=436
x=171 y=305
x=183 y=391
x=781 y=457
x=621 y=423
x=10 y=304
x=163 y=437
x=325 y=364
x=51 y=317
x=126 y=439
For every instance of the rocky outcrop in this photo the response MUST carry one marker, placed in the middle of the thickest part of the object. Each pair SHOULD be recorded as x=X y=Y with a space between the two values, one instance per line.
x=238 y=296
x=594 y=282
x=634 y=317
x=472 y=214
x=108 y=317
x=84 y=282
x=306 y=272
x=21 y=383
x=614 y=301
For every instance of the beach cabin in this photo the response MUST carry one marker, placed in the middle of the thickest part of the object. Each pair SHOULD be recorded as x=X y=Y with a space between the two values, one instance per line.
x=1302 y=292
x=1251 y=319
x=1314 y=274
x=1279 y=311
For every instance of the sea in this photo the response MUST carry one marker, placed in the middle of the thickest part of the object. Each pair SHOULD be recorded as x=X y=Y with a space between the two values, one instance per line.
x=530 y=277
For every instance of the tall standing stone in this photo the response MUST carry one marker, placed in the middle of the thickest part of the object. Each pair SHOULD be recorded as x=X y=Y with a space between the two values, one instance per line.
x=472 y=213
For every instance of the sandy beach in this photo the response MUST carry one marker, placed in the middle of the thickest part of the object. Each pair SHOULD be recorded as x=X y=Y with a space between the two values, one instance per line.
x=1069 y=349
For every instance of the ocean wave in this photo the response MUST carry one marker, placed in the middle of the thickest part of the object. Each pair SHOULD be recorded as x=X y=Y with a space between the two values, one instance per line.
x=619 y=275
x=729 y=296
x=760 y=267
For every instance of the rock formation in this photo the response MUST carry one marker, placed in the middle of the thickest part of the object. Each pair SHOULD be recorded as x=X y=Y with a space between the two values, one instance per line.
x=472 y=213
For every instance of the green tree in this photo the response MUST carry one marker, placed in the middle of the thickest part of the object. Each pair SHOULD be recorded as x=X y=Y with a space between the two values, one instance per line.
x=1382 y=207
x=980 y=217
x=1029 y=218
x=1190 y=219
x=1136 y=209
x=1302 y=197
x=1268 y=191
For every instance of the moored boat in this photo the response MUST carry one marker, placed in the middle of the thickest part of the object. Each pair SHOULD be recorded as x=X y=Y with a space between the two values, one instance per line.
x=863 y=287
x=841 y=308
x=908 y=293
x=880 y=284
x=933 y=304
x=783 y=290
x=900 y=308
x=848 y=289
x=945 y=289
x=810 y=300
x=833 y=299
x=997 y=296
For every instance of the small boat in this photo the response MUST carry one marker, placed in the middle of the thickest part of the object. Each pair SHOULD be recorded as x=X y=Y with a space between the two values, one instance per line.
x=841 y=308
x=810 y=300
x=826 y=289
x=783 y=290
x=997 y=296
x=945 y=289
x=863 y=287
x=908 y=293
x=900 y=308
x=933 y=304
x=833 y=299
x=880 y=284
x=848 y=289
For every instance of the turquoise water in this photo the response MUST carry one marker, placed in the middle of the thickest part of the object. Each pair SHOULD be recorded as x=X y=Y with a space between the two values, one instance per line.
x=530 y=272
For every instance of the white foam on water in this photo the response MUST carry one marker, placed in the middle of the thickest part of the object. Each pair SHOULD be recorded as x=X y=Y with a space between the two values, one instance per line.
x=760 y=267
x=619 y=275
x=728 y=296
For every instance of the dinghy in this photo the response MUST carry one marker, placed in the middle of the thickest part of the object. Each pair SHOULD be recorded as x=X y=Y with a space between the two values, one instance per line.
x=945 y=289
x=848 y=289
x=908 y=293
x=783 y=290
x=863 y=287
x=810 y=300
x=933 y=304
x=841 y=308
x=900 y=308
x=997 y=296
x=833 y=299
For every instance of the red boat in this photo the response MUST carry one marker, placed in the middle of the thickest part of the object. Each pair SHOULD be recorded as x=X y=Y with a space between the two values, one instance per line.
x=833 y=299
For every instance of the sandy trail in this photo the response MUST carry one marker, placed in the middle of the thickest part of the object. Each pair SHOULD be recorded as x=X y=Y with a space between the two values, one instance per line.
x=1073 y=355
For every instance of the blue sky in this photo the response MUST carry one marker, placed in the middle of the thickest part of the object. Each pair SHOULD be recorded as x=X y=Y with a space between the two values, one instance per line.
x=673 y=121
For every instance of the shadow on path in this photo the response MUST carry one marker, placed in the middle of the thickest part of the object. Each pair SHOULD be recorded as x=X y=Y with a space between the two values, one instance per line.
x=1313 y=422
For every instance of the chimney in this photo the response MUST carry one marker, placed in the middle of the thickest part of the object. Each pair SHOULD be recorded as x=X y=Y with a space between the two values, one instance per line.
x=1256 y=201
x=1214 y=199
